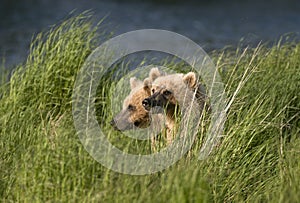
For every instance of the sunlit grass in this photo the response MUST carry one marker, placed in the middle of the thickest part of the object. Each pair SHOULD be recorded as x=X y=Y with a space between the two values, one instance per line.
x=42 y=158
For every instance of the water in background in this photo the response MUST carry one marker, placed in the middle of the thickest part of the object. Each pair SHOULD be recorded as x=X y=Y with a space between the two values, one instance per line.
x=212 y=25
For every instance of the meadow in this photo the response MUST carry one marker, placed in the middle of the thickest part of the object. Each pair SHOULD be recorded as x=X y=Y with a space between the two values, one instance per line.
x=43 y=160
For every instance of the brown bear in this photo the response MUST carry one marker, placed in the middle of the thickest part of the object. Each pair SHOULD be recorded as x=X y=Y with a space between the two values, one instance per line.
x=176 y=93
x=133 y=115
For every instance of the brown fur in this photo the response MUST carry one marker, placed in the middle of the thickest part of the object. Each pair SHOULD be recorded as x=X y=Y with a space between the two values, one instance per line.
x=134 y=115
x=138 y=113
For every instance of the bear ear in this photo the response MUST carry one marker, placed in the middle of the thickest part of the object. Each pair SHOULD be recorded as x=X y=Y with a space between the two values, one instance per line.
x=154 y=73
x=147 y=85
x=134 y=82
x=190 y=79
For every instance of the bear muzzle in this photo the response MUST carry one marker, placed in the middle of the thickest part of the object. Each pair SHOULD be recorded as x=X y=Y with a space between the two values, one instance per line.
x=113 y=123
x=148 y=103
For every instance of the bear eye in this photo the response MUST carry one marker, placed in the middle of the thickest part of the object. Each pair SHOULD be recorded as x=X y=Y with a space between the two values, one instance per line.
x=130 y=107
x=167 y=92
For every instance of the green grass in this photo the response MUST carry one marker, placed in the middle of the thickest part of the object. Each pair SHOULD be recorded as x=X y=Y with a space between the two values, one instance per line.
x=42 y=158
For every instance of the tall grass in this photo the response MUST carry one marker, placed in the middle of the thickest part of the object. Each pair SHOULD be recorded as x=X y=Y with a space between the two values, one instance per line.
x=42 y=158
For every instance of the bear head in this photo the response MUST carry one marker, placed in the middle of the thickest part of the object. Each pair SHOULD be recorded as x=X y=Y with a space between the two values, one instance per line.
x=133 y=114
x=170 y=91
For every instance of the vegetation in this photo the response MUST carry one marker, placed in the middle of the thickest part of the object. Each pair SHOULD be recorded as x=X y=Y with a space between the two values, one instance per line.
x=42 y=158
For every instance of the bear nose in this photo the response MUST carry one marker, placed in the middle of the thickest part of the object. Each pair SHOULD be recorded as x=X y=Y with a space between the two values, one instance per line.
x=112 y=123
x=146 y=103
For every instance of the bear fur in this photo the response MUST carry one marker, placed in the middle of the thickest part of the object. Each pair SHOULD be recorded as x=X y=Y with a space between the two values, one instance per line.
x=133 y=115
x=175 y=93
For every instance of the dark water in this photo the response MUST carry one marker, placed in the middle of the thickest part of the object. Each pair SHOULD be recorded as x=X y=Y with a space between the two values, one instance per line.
x=212 y=25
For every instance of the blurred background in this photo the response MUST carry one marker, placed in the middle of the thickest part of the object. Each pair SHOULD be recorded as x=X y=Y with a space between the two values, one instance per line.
x=212 y=24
